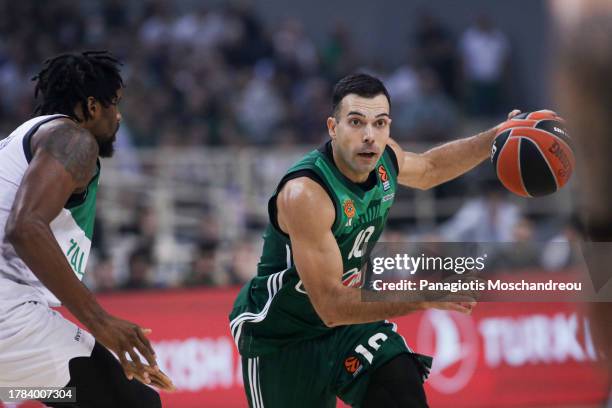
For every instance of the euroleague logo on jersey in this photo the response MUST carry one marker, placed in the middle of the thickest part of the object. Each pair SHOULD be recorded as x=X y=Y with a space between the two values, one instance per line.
x=352 y=364
x=452 y=340
x=384 y=177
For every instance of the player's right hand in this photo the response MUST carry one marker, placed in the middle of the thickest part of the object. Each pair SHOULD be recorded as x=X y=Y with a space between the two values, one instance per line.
x=462 y=307
x=156 y=378
x=123 y=337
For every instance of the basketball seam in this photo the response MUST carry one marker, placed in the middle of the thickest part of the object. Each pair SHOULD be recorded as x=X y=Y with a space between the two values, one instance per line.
x=546 y=160
x=500 y=153
x=519 y=164
x=518 y=159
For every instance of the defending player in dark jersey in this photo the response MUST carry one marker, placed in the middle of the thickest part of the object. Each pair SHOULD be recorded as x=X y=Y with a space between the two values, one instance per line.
x=304 y=335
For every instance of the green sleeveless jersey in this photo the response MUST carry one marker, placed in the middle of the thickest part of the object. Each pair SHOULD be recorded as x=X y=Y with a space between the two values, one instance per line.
x=273 y=309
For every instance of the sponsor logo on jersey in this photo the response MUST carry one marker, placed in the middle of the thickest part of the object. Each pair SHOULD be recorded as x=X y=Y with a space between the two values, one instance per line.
x=384 y=177
x=352 y=364
x=388 y=197
x=352 y=278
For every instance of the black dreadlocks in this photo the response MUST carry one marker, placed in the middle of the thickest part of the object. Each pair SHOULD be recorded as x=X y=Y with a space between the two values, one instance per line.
x=69 y=79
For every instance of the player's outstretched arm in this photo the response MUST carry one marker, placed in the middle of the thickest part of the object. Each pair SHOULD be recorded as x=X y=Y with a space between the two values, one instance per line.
x=64 y=161
x=444 y=162
x=306 y=213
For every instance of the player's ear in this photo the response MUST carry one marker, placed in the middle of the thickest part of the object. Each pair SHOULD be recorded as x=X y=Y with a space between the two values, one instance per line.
x=92 y=106
x=331 y=126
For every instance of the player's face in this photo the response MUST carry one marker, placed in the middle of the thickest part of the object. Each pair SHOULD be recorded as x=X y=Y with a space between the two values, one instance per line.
x=360 y=132
x=111 y=122
x=105 y=124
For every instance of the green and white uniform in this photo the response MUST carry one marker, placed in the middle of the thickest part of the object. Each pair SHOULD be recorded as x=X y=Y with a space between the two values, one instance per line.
x=290 y=358
x=36 y=343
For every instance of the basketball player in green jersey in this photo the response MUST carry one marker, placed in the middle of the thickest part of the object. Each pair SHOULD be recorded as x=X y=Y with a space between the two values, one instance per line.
x=304 y=334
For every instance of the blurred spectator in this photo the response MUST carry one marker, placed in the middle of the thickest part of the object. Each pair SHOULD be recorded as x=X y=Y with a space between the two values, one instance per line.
x=103 y=276
x=521 y=252
x=205 y=265
x=140 y=269
x=243 y=263
x=561 y=251
x=430 y=118
x=338 y=54
x=435 y=49
x=484 y=53
x=295 y=52
x=258 y=123
x=487 y=218
x=311 y=109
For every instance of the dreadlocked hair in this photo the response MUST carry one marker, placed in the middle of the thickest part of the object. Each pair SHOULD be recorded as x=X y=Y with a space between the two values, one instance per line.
x=69 y=79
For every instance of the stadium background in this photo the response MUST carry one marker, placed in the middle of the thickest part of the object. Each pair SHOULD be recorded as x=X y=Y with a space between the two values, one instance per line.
x=223 y=96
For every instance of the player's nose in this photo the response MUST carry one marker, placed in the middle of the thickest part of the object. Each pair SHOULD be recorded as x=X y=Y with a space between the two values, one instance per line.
x=368 y=134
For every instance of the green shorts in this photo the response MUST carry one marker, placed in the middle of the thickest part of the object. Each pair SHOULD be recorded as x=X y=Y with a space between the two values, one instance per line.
x=313 y=373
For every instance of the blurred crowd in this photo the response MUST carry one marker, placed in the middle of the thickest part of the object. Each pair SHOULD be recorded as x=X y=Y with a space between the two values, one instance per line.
x=201 y=76
x=220 y=76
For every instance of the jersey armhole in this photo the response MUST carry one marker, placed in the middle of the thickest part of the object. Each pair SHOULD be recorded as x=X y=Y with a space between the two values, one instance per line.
x=393 y=158
x=311 y=174
x=26 y=141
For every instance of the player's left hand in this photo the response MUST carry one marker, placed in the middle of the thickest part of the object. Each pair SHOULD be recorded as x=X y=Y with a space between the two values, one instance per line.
x=495 y=130
x=469 y=306
x=514 y=113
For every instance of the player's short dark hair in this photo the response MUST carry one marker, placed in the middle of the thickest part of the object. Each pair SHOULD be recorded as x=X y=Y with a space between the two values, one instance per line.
x=69 y=79
x=363 y=85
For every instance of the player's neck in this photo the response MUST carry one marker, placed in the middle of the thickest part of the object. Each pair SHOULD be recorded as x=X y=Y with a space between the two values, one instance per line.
x=346 y=169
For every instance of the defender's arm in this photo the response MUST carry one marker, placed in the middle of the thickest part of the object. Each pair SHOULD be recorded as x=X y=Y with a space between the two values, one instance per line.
x=65 y=160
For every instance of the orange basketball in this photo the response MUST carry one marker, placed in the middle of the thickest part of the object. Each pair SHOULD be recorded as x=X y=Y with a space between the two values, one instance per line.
x=532 y=154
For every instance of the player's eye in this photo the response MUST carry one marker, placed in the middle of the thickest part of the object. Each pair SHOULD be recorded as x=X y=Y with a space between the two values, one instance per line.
x=381 y=123
x=355 y=122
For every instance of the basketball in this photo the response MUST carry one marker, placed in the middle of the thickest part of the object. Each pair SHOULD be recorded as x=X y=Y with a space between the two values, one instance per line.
x=532 y=154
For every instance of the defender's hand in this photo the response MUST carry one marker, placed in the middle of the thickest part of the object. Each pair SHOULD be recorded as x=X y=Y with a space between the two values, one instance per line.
x=123 y=337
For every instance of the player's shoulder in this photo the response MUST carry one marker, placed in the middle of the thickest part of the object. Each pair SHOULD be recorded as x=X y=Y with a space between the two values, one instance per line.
x=64 y=134
x=302 y=192
x=70 y=144
x=305 y=199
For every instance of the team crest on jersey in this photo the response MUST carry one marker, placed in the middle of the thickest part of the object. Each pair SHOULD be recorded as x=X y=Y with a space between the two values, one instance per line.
x=349 y=210
x=384 y=177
